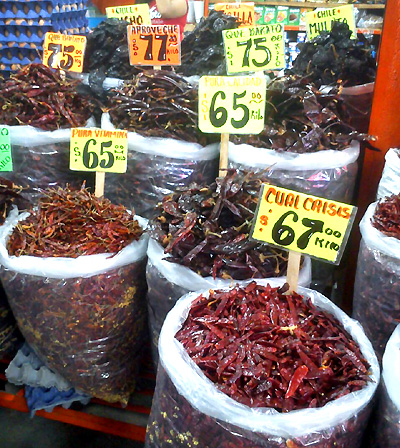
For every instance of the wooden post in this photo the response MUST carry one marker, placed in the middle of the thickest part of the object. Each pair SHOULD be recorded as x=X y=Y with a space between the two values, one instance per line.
x=100 y=179
x=293 y=270
x=223 y=156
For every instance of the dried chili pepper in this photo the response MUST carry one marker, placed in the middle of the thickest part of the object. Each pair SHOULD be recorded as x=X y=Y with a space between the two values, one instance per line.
x=40 y=97
x=70 y=223
x=202 y=50
x=158 y=103
x=206 y=228
x=301 y=119
x=10 y=194
x=264 y=348
x=334 y=56
x=387 y=216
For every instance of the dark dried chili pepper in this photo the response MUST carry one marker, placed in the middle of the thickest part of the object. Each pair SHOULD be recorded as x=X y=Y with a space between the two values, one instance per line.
x=70 y=223
x=38 y=96
x=10 y=194
x=387 y=216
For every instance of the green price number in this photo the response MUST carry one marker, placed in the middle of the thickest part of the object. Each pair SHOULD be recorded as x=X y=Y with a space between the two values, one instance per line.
x=91 y=160
x=219 y=115
x=5 y=150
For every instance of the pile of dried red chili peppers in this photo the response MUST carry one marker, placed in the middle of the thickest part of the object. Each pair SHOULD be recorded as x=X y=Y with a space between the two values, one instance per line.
x=70 y=223
x=206 y=228
x=10 y=194
x=38 y=96
x=265 y=348
x=387 y=216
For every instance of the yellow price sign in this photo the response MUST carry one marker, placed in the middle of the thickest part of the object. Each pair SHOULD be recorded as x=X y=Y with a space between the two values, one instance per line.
x=254 y=49
x=134 y=14
x=232 y=104
x=64 y=51
x=322 y=19
x=93 y=149
x=303 y=223
x=243 y=11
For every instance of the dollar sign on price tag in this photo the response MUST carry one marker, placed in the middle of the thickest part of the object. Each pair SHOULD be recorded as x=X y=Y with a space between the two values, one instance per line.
x=5 y=150
x=232 y=104
x=254 y=49
x=93 y=149
x=303 y=223
x=154 y=45
x=64 y=51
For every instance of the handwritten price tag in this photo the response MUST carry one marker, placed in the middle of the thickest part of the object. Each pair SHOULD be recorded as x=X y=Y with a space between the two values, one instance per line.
x=64 y=51
x=243 y=11
x=302 y=223
x=254 y=49
x=154 y=45
x=232 y=104
x=5 y=150
x=134 y=14
x=322 y=19
x=94 y=149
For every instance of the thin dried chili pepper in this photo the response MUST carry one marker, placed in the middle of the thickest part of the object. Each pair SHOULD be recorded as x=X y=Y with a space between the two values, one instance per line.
x=70 y=223
x=38 y=96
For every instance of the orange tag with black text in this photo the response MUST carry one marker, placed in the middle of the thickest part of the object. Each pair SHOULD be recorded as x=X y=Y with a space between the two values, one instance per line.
x=64 y=51
x=154 y=45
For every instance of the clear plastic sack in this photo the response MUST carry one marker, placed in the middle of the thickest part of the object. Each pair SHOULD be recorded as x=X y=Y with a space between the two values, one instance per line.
x=167 y=282
x=157 y=167
x=390 y=180
x=358 y=101
x=386 y=425
x=85 y=317
x=188 y=410
x=376 y=302
x=10 y=336
x=41 y=160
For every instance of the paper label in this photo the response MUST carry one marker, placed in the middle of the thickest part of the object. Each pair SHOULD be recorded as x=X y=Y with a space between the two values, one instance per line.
x=64 y=51
x=134 y=14
x=93 y=149
x=154 y=45
x=303 y=223
x=322 y=19
x=232 y=104
x=5 y=150
x=243 y=11
x=254 y=49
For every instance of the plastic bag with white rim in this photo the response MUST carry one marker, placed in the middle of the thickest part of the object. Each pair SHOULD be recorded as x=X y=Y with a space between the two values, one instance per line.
x=41 y=160
x=156 y=168
x=188 y=410
x=358 y=101
x=386 y=425
x=167 y=282
x=376 y=302
x=390 y=180
x=85 y=317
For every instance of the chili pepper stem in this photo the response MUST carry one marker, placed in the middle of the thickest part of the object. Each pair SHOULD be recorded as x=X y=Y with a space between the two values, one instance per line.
x=293 y=271
x=223 y=157
x=100 y=179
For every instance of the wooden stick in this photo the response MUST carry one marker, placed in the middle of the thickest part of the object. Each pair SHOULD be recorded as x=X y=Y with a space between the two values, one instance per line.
x=223 y=156
x=100 y=179
x=293 y=270
x=157 y=67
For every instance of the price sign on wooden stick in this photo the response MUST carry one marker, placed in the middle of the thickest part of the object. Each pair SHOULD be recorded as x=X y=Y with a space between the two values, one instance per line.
x=64 y=51
x=302 y=223
x=231 y=105
x=98 y=150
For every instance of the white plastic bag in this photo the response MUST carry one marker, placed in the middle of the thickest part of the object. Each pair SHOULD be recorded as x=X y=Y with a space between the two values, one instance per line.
x=157 y=167
x=390 y=180
x=85 y=317
x=188 y=410
x=376 y=302
x=167 y=282
x=41 y=160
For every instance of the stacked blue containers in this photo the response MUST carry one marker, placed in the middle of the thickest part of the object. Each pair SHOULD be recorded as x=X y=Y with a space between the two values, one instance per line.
x=23 y=25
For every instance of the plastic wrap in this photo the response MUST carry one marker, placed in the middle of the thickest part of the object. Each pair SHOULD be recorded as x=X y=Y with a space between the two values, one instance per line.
x=390 y=180
x=157 y=167
x=167 y=282
x=10 y=336
x=386 y=425
x=85 y=317
x=358 y=101
x=189 y=411
x=376 y=302
x=41 y=160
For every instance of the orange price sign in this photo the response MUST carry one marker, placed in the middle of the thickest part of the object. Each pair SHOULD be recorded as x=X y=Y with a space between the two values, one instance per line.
x=154 y=45
x=243 y=11
x=64 y=51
